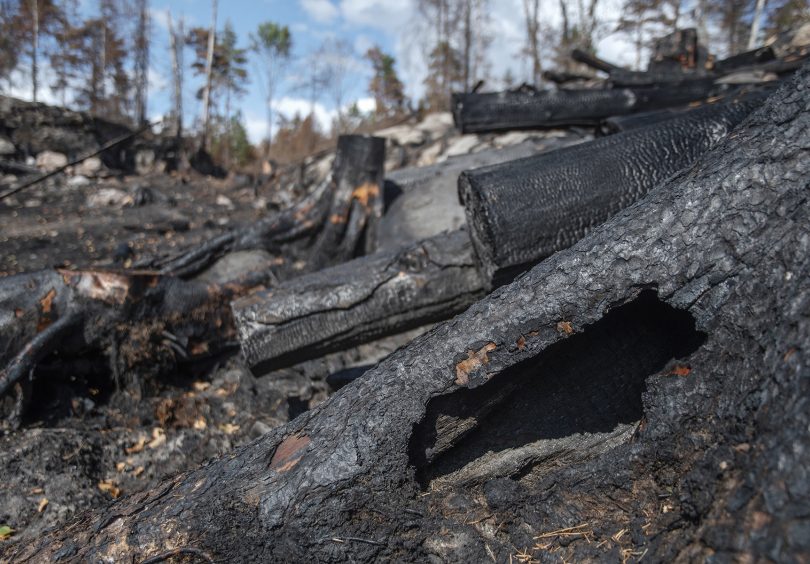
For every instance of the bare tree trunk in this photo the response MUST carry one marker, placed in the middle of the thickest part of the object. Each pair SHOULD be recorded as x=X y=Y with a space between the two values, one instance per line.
x=176 y=38
x=755 y=25
x=531 y=10
x=209 y=63
x=468 y=39
x=142 y=61
x=35 y=49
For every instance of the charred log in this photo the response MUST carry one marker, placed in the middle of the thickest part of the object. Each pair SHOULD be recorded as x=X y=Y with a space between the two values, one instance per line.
x=422 y=202
x=134 y=319
x=359 y=301
x=745 y=59
x=532 y=109
x=706 y=259
x=522 y=212
x=593 y=61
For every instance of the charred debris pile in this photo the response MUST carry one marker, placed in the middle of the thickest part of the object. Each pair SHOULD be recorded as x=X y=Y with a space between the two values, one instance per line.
x=577 y=330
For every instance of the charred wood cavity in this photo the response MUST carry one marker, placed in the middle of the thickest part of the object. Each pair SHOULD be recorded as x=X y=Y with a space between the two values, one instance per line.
x=359 y=301
x=577 y=398
x=522 y=212
x=527 y=109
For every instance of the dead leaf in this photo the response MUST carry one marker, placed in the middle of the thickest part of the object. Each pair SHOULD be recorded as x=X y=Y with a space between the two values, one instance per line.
x=681 y=371
x=200 y=424
x=229 y=428
x=565 y=327
x=201 y=386
x=43 y=503
x=137 y=447
x=108 y=486
x=37 y=490
x=474 y=361
x=138 y=471
x=158 y=438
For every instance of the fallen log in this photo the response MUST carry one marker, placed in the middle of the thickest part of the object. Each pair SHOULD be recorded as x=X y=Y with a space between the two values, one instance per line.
x=662 y=79
x=617 y=124
x=521 y=212
x=422 y=202
x=474 y=113
x=143 y=323
x=745 y=59
x=358 y=301
x=593 y=61
x=688 y=311
x=343 y=212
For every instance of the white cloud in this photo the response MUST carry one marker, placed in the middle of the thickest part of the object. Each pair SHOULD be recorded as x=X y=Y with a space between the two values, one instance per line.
x=380 y=14
x=366 y=105
x=322 y=11
x=288 y=106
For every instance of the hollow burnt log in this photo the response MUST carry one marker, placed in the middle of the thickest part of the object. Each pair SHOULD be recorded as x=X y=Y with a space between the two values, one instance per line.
x=358 y=301
x=475 y=113
x=725 y=243
x=524 y=211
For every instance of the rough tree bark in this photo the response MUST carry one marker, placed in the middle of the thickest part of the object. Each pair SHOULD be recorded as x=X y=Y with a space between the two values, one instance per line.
x=716 y=259
x=423 y=201
x=475 y=113
x=358 y=301
x=521 y=212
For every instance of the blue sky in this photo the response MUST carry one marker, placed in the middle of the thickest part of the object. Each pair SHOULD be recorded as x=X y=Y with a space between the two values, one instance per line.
x=310 y=21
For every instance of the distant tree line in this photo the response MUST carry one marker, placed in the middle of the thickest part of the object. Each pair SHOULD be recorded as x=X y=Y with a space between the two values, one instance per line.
x=101 y=63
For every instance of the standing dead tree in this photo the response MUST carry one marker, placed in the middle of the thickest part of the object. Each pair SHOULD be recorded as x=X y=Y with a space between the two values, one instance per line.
x=520 y=415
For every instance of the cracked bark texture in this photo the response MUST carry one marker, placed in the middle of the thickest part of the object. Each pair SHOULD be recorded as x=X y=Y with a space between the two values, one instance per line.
x=521 y=212
x=716 y=469
x=358 y=301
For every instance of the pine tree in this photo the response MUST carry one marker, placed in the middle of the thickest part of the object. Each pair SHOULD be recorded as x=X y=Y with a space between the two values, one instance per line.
x=273 y=42
x=385 y=86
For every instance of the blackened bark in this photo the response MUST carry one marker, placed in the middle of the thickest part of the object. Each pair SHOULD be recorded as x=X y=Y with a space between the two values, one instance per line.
x=745 y=59
x=475 y=113
x=358 y=301
x=717 y=468
x=423 y=201
x=593 y=61
x=522 y=212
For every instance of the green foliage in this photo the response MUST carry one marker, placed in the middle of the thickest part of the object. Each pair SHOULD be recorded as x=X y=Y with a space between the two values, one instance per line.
x=445 y=75
x=385 y=86
x=273 y=40
x=230 y=144
x=5 y=532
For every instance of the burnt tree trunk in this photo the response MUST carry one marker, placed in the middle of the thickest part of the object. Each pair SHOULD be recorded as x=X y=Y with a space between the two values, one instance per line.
x=358 y=301
x=521 y=212
x=343 y=212
x=699 y=293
